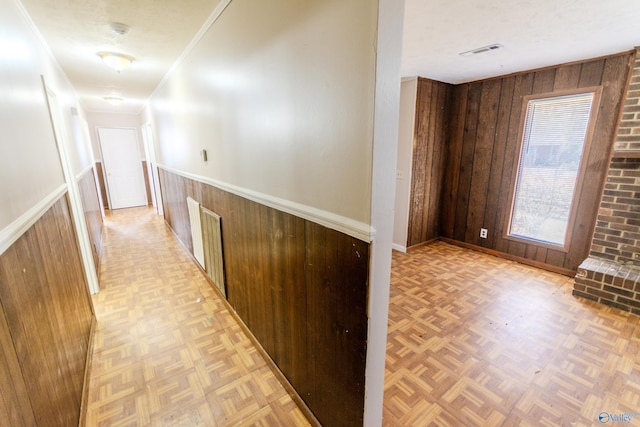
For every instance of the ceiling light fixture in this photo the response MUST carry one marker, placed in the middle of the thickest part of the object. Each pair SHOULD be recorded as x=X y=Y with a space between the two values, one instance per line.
x=482 y=49
x=116 y=61
x=113 y=100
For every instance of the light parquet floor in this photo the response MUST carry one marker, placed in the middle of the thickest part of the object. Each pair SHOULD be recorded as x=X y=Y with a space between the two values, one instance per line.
x=166 y=350
x=475 y=340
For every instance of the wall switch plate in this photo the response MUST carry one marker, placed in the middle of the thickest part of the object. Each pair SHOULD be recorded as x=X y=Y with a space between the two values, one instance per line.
x=483 y=233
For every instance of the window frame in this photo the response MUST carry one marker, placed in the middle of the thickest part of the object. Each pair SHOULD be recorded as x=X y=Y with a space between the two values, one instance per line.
x=580 y=179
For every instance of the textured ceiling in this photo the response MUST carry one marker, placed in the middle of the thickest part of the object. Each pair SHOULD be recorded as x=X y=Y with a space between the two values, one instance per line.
x=76 y=30
x=534 y=34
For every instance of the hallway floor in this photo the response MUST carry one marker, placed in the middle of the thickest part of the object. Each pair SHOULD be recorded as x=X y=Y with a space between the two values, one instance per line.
x=166 y=350
x=473 y=340
x=476 y=340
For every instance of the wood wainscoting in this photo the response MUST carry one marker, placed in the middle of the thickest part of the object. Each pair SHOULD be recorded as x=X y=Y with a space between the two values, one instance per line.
x=430 y=145
x=483 y=152
x=92 y=214
x=299 y=287
x=102 y=185
x=45 y=324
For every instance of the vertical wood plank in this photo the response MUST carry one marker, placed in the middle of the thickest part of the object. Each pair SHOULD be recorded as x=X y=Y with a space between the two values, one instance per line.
x=483 y=152
x=466 y=160
x=523 y=85
x=15 y=404
x=567 y=77
x=420 y=163
x=497 y=162
x=430 y=139
x=454 y=157
x=48 y=311
x=591 y=73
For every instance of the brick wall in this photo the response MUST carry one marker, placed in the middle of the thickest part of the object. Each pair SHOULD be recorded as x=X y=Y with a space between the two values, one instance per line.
x=628 y=138
x=611 y=274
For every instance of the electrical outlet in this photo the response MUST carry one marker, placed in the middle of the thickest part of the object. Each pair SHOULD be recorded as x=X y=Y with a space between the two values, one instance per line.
x=483 y=233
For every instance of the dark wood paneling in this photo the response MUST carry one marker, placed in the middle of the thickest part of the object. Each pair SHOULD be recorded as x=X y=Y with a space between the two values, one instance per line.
x=101 y=185
x=466 y=160
x=482 y=155
x=429 y=160
x=300 y=288
x=15 y=405
x=47 y=308
x=92 y=214
x=147 y=186
x=483 y=152
x=454 y=157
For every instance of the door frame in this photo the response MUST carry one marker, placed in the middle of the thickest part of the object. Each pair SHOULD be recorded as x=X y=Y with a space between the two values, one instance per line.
x=104 y=164
x=73 y=191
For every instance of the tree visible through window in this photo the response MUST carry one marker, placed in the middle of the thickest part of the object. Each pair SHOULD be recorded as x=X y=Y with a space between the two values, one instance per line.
x=552 y=146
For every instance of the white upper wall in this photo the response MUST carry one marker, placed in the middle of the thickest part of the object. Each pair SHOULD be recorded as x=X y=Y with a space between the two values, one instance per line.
x=280 y=94
x=30 y=168
x=408 y=93
x=97 y=119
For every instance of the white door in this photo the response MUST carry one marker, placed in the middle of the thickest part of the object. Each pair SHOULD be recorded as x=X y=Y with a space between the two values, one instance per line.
x=123 y=167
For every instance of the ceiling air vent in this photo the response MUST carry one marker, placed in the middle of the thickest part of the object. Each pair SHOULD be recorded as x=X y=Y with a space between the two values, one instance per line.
x=482 y=49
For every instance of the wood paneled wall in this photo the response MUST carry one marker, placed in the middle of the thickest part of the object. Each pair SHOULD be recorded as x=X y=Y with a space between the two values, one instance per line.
x=483 y=152
x=92 y=214
x=147 y=186
x=301 y=289
x=48 y=314
x=429 y=160
x=102 y=185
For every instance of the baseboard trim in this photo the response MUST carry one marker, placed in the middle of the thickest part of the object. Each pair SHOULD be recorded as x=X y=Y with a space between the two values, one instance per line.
x=399 y=248
x=540 y=265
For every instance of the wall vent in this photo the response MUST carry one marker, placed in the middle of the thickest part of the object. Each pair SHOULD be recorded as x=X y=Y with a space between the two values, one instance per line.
x=482 y=49
x=212 y=242
x=196 y=230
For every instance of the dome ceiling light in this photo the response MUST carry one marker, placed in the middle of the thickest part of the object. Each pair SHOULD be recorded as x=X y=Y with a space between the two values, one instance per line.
x=113 y=100
x=116 y=61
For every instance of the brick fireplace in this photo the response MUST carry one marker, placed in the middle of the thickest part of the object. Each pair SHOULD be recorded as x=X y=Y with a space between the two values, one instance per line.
x=611 y=273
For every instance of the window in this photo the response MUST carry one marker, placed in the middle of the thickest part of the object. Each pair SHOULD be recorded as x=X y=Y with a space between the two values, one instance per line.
x=553 y=141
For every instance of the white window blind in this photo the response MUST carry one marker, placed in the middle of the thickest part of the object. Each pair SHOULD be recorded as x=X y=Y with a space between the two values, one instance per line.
x=553 y=142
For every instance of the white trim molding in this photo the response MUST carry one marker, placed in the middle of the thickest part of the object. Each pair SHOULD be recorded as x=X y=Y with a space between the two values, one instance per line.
x=351 y=227
x=12 y=232
x=83 y=173
x=399 y=248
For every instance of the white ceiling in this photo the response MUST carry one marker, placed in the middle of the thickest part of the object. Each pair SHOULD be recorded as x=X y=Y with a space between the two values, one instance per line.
x=534 y=33
x=75 y=31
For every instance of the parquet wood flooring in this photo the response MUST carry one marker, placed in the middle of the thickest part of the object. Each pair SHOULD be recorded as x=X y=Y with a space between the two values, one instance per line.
x=475 y=340
x=166 y=351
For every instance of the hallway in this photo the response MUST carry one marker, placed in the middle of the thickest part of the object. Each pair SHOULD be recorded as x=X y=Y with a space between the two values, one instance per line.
x=166 y=350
